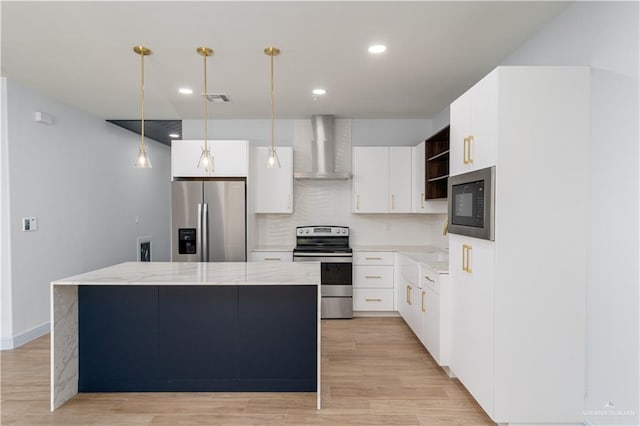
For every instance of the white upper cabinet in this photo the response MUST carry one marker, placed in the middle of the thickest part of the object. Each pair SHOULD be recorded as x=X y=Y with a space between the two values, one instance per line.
x=230 y=158
x=474 y=127
x=274 y=187
x=371 y=179
x=382 y=179
x=400 y=179
x=417 y=178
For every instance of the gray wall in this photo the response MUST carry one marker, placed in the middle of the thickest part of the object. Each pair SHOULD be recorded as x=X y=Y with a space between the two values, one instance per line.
x=77 y=177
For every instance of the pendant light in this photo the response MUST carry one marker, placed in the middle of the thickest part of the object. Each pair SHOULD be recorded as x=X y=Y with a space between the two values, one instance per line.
x=273 y=162
x=205 y=163
x=142 y=161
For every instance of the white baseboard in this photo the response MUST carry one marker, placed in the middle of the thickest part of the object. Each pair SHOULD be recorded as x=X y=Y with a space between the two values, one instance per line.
x=9 y=343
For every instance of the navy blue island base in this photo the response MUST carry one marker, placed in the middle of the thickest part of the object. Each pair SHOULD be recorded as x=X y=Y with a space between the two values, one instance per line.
x=197 y=338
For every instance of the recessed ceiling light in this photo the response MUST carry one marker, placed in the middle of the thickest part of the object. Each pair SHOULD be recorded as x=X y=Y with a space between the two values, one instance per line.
x=319 y=91
x=174 y=135
x=377 y=49
x=185 y=91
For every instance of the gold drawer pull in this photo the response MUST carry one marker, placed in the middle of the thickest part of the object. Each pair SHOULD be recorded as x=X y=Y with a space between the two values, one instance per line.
x=429 y=279
x=372 y=276
x=466 y=257
x=422 y=302
x=373 y=258
x=272 y=258
x=373 y=300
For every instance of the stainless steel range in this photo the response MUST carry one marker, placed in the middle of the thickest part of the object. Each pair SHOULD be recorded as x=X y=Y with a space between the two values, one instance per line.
x=329 y=245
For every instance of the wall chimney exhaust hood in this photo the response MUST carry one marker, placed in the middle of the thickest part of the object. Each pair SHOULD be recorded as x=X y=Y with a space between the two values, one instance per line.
x=322 y=150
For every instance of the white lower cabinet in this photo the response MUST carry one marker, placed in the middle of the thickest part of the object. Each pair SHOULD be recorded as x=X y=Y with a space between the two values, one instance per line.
x=271 y=256
x=436 y=314
x=373 y=281
x=372 y=299
x=471 y=264
x=410 y=293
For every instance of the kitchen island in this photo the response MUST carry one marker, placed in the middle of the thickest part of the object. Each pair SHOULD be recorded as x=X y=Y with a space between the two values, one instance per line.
x=186 y=327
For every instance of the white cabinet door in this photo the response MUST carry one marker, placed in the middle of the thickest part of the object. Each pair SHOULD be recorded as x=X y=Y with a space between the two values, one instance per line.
x=409 y=297
x=274 y=187
x=474 y=127
x=417 y=172
x=229 y=158
x=430 y=337
x=483 y=123
x=400 y=179
x=370 y=180
x=460 y=114
x=471 y=266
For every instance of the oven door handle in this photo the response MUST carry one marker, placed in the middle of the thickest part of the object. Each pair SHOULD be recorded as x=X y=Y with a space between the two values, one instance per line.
x=326 y=258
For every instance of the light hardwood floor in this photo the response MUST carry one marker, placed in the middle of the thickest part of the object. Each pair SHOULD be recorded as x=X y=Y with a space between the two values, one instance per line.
x=374 y=372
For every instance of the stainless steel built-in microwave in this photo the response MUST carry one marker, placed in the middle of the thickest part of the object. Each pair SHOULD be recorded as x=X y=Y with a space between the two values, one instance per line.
x=472 y=203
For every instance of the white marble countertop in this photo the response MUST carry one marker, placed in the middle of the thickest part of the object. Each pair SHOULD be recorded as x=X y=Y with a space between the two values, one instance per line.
x=195 y=273
x=434 y=257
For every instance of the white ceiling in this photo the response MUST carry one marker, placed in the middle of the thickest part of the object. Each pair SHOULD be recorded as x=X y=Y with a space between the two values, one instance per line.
x=81 y=53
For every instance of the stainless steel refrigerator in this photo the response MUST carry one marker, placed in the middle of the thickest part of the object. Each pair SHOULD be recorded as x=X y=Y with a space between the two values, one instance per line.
x=208 y=221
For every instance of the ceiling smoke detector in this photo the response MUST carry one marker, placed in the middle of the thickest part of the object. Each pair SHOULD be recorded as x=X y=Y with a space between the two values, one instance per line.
x=218 y=98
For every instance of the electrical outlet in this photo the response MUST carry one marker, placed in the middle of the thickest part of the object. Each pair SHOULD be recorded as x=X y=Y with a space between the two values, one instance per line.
x=29 y=224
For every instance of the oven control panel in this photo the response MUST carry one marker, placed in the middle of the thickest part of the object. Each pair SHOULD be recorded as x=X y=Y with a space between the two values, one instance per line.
x=322 y=231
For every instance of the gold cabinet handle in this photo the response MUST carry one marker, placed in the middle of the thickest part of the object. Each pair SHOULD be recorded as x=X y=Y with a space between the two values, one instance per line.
x=408 y=295
x=464 y=150
x=373 y=258
x=422 y=200
x=289 y=202
x=467 y=154
x=357 y=201
x=466 y=257
x=372 y=276
x=429 y=279
x=272 y=258
x=393 y=201
x=422 y=302
x=373 y=300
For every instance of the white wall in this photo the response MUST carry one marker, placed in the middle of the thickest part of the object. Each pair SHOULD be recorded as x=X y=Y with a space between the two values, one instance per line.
x=5 y=252
x=77 y=178
x=328 y=202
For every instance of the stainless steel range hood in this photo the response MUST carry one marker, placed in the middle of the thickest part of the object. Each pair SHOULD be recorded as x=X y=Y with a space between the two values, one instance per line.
x=322 y=150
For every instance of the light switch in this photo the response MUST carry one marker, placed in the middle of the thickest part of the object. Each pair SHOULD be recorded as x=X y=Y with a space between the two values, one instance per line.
x=29 y=224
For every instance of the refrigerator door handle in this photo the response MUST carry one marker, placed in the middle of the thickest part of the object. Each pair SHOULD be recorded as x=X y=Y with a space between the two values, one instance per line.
x=205 y=233
x=199 y=232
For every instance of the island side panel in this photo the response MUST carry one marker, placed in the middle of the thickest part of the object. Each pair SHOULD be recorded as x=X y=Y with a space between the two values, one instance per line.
x=64 y=344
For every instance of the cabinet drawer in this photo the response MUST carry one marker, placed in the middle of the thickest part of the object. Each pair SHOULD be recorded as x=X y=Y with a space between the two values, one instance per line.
x=373 y=258
x=271 y=256
x=368 y=299
x=430 y=279
x=373 y=276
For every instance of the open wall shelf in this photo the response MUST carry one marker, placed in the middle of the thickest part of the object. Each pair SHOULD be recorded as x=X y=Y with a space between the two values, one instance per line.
x=437 y=165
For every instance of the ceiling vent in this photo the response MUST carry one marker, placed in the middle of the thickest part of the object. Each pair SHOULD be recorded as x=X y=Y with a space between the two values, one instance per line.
x=218 y=98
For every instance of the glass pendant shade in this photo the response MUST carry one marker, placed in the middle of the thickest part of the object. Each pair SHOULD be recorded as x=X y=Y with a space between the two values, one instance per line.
x=142 y=161
x=205 y=163
x=273 y=162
